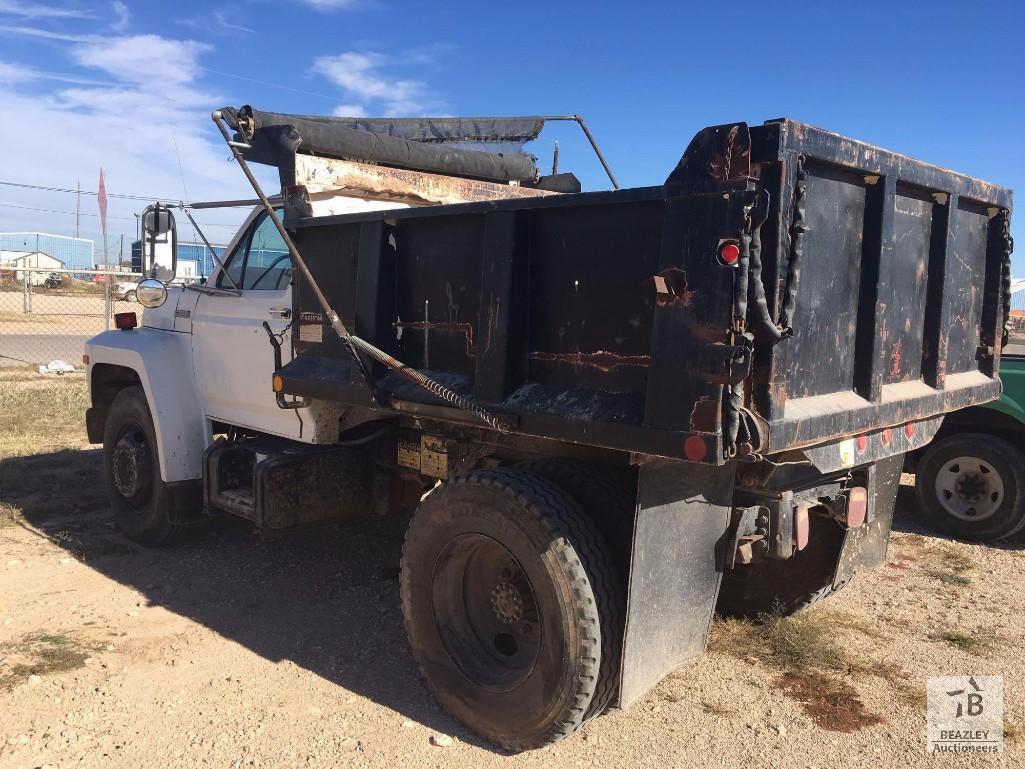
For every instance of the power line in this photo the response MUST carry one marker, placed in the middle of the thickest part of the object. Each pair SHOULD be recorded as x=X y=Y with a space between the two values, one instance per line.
x=54 y=211
x=85 y=192
x=125 y=218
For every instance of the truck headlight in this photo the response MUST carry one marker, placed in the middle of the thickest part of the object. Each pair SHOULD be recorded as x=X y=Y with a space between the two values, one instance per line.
x=151 y=293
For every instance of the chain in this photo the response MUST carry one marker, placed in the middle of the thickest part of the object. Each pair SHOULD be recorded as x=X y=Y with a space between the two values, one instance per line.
x=1005 y=270
x=797 y=229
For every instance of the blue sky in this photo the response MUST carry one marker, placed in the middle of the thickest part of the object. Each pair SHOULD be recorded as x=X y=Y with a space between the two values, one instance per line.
x=122 y=84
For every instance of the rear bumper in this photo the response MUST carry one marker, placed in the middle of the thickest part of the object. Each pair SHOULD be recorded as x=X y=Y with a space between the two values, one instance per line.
x=808 y=421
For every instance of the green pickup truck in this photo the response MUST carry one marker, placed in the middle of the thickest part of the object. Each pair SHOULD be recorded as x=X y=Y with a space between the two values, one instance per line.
x=971 y=479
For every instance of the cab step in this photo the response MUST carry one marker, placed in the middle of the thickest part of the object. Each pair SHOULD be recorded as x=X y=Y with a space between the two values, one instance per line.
x=277 y=483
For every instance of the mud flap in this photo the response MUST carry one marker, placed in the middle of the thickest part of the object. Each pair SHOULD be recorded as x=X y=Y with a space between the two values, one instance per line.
x=865 y=547
x=680 y=531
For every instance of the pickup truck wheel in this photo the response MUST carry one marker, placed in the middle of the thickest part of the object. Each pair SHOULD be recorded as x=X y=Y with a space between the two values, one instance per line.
x=507 y=595
x=972 y=486
x=772 y=587
x=141 y=500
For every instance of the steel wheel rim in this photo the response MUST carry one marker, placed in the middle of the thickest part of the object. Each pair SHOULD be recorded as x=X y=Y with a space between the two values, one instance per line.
x=486 y=612
x=969 y=488
x=132 y=467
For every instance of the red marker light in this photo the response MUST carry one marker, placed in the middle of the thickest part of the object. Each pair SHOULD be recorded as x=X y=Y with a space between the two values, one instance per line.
x=909 y=429
x=125 y=321
x=862 y=443
x=887 y=436
x=694 y=448
x=729 y=252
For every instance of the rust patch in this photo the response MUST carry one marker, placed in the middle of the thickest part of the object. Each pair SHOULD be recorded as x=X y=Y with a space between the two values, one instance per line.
x=704 y=417
x=831 y=703
x=466 y=329
x=895 y=359
x=671 y=288
x=603 y=360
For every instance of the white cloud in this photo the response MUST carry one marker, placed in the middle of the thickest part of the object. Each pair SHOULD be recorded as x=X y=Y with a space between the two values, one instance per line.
x=360 y=75
x=25 y=10
x=342 y=110
x=63 y=135
x=45 y=34
x=15 y=73
x=123 y=14
x=330 y=5
x=147 y=59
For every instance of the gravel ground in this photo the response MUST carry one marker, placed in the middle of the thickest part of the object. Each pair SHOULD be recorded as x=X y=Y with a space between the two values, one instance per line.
x=233 y=650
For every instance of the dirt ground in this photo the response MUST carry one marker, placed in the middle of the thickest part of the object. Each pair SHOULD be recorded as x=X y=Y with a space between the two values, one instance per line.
x=233 y=650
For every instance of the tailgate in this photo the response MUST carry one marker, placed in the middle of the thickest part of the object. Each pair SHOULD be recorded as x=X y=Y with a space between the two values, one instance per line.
x=889 y=274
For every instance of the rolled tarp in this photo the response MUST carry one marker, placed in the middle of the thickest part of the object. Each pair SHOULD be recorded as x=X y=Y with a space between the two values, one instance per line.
x=417 y=144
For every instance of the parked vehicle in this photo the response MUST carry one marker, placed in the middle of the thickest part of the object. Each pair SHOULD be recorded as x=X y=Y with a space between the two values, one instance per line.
x=970 y=480
x=125 y=290
x=53 y=280
x=615 y=412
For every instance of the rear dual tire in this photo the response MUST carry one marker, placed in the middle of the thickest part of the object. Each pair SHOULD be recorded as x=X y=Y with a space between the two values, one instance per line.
x=511 y=603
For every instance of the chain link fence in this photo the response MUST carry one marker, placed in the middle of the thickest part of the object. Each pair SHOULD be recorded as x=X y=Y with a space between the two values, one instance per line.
x=47 y=315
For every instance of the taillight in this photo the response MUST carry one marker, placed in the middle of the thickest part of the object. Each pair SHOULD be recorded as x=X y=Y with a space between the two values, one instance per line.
x=125 y=321
x=909 y=430
x=887 y=436
x=857 y=506
x=729 y=252
x=862 y=443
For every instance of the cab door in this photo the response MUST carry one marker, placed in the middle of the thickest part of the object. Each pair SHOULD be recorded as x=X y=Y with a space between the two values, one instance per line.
x=232 y=354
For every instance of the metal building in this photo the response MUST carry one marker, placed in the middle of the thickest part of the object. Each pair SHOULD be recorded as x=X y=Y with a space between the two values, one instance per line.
x=193 y=258
x=73 y=253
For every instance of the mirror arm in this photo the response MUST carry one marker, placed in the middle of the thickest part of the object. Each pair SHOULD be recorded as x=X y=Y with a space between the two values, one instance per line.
x=213 y=253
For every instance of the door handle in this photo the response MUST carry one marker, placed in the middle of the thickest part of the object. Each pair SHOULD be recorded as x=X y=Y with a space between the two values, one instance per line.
x=280 y=312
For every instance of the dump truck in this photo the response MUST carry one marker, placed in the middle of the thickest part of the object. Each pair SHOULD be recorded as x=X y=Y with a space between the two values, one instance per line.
x=614 y=412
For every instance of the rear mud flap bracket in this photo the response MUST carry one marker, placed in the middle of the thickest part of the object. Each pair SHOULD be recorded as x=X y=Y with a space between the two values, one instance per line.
x=865 y=546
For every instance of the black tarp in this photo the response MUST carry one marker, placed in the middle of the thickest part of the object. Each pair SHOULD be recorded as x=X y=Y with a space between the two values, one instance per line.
x=418 y=144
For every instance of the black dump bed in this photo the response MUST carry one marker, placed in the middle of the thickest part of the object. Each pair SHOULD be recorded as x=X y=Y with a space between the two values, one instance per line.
x=868 y=294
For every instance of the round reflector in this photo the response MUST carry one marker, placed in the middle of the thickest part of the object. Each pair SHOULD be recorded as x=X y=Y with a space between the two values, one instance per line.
x=694 y=448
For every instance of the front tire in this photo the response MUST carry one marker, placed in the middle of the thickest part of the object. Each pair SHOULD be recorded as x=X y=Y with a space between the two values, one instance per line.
x=972 y=486
x=142 y=502
x=507 y=595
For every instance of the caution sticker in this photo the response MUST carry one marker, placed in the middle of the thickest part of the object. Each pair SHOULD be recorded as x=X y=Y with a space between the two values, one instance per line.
x=311 y=332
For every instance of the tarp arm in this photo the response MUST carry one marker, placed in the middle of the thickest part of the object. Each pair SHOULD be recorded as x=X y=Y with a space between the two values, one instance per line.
x=351 y=341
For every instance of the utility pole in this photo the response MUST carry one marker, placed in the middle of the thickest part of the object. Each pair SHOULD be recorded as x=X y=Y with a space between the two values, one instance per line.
x=78 y=203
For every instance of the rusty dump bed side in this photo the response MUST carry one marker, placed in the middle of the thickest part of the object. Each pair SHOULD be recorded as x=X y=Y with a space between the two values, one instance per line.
x=868 y=293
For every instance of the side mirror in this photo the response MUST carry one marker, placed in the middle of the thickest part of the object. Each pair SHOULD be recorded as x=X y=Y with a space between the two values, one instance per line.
x=151 y=293
x=159 y=243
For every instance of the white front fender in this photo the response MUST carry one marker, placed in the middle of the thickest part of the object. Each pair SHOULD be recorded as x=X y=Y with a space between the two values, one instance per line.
x=163 y=362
